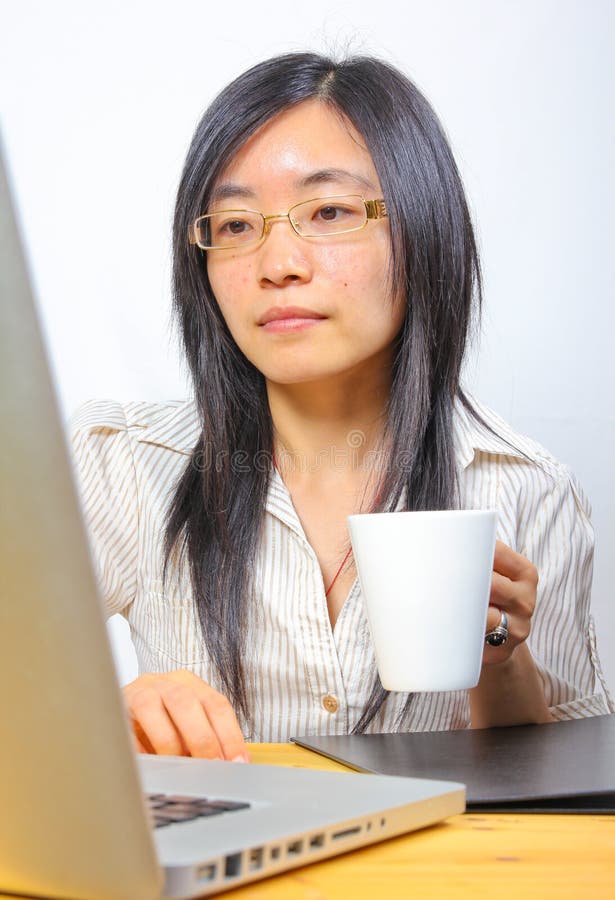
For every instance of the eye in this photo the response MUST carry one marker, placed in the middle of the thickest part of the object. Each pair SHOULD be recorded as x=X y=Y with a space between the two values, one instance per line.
x=237 y=226
x=232 y=227
x=329 y=213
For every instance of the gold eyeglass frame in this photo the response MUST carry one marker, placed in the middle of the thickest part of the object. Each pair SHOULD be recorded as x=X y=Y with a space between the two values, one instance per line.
x=374 y=209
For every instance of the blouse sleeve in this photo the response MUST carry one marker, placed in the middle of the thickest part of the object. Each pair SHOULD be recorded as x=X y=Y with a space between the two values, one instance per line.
x=558 y=538
x=105 y=473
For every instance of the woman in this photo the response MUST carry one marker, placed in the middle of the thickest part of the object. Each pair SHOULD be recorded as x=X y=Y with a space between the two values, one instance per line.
x=325 y=320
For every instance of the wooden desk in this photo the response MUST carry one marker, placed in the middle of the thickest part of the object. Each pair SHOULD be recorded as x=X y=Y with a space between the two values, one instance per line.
x=473 y=856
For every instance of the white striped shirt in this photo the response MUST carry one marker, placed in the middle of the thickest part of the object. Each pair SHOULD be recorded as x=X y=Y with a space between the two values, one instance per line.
x=304 y=677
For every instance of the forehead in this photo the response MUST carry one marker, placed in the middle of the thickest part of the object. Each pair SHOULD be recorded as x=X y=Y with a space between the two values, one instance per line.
x=309 y=140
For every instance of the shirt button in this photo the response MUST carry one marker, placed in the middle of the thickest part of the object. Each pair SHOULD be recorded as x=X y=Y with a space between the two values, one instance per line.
x=330 y=703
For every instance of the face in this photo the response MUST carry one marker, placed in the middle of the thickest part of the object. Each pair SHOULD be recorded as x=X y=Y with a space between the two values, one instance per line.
x=305 y=309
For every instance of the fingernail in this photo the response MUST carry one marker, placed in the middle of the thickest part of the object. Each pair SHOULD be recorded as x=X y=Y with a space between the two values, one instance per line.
x=240 y=758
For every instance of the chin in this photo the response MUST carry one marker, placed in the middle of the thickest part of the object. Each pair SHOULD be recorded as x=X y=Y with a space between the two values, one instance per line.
x=297 y=375
x=292 y=377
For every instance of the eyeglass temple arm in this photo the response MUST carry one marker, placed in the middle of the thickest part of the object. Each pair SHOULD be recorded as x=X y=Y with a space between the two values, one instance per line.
x=192 y=232
x=376 y=209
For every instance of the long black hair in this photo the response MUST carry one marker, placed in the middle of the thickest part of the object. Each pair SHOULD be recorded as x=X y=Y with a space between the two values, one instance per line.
x=216 y=514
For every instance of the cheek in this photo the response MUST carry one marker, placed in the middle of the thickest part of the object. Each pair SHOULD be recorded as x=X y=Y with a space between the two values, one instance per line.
x=360 y=279
x=229 y=284
x=361 y=268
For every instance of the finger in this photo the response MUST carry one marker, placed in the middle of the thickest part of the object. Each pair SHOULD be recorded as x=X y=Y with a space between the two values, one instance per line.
x=192 y=721
x=141 y=738
x=518 y=627
x=516 y=597
x=493 y=655
x=503 y=591
x=494 y=617
x=513 y=565
x=137 y=745
x=228 y=731
x=220 y=715
x=153 y=722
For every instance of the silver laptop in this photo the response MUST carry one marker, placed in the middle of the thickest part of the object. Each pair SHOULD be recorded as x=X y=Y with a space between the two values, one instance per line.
x=82 y=816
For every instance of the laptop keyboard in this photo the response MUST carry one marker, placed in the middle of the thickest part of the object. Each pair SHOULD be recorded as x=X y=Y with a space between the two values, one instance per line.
x=168 y=809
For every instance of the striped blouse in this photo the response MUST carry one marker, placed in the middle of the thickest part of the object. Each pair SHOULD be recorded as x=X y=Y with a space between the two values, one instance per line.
x=304 y=677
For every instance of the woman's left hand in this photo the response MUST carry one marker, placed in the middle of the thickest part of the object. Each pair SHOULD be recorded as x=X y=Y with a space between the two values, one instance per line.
x=513 y=591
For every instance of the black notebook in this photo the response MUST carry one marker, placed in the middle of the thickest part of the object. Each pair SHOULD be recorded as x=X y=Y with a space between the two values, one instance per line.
x=558 y=767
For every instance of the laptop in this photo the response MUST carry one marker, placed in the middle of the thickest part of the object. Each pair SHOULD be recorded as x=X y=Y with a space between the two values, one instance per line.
x=82 y=815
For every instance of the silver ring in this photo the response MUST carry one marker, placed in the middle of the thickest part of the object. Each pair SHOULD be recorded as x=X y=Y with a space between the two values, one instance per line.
x=499 y=635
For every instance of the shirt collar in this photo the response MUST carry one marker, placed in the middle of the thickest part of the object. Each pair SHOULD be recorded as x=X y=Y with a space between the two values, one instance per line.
x=175 y=426
x=491 y=435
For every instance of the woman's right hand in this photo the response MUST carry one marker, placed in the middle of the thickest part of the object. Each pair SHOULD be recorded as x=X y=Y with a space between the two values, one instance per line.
x=178 y=714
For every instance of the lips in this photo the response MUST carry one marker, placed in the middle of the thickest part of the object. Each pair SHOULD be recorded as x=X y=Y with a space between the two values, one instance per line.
x=288 y=313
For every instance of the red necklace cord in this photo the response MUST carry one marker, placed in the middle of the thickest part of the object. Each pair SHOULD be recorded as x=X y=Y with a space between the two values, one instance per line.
x=338 y=571
x=344 y=561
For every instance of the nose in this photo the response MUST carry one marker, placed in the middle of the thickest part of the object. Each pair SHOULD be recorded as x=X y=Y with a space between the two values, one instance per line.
x=282 y=259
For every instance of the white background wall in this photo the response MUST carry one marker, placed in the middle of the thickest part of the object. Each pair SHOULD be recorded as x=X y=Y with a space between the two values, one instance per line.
x=98 y=103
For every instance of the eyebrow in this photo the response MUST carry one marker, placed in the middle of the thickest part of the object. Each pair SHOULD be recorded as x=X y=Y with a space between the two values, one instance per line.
x=230 y=189
x=322 y=176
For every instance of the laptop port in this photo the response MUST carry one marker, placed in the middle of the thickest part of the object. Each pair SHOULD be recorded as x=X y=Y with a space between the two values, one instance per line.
x=317 y=840
x=232 y=865
x=347 y=832
x=206 y=872
x=275 y=853
x=255 y=859
x=294 y=848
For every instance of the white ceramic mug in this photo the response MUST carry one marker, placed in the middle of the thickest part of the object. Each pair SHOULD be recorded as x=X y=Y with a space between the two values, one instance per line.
x=426 y=579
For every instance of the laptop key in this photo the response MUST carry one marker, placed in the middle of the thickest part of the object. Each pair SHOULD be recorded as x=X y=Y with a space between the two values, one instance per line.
x=179 y=808
x=180 y=815
x=228 y=805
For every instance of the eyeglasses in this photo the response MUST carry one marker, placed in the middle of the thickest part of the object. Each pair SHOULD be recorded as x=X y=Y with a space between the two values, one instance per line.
x=230 y=228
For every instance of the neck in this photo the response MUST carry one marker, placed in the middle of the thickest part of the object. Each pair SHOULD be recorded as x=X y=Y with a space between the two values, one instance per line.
x=328 y=426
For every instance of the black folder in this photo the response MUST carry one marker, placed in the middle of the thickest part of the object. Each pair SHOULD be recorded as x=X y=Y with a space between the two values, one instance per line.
x=559 y=767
